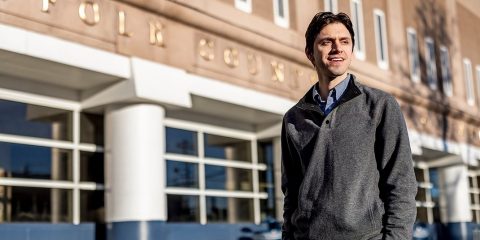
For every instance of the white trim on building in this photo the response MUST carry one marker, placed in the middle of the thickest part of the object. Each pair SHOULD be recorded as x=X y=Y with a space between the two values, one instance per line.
x=381 y=38
x=356 y=10
x=281 y=13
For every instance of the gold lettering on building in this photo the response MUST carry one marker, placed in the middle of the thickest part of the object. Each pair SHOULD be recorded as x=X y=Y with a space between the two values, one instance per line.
x=278 y=71
x=156 y=33
x=205 y=49
x=122 y=24
x=230 y=57
x=254 y=64
x=46 y=5
x=82 y=12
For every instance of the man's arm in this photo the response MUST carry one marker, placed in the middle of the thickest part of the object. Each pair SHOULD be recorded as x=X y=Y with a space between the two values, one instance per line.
x=290 y=183
x=398 y=185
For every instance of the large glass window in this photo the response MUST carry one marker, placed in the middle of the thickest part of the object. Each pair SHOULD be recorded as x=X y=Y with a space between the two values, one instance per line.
x=215 y=178
x=183 y=208
x=474 y=182
x=381 y=38
x=231 y=210
x=428 y=194
x=182 y=174
x=27 y=161
x=267 y=180
x=227 y=148
x=35 y=121
x=228 y=178
x=28 y=204
x=357 y=22
x=413 y=55
x=41 y=149
x=181 y=141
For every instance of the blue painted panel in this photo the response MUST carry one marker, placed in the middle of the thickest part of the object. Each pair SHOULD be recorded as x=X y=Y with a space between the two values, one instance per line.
x=158 y=230
x=47 y=231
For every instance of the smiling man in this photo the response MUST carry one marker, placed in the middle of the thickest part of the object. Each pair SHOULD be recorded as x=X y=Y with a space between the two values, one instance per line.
x=347 y=169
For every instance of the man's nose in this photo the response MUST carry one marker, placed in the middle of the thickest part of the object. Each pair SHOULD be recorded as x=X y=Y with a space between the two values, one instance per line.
x=336 y=46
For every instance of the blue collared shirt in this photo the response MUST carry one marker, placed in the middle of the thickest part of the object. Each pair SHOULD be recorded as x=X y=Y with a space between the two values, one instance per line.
x=326 y=106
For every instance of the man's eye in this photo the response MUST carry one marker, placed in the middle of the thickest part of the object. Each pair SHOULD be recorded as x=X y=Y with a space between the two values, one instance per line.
x=345 y=42
x=325 y=43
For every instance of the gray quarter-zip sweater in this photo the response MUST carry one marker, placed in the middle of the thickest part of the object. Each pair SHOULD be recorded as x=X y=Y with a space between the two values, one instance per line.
x=349 y=174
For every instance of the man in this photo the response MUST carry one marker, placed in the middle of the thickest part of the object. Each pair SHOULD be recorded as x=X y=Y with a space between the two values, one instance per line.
x=347 y=170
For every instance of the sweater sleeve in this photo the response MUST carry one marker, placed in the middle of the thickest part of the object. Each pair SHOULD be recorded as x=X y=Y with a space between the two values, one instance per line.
x=398 y=185
x=291 y=181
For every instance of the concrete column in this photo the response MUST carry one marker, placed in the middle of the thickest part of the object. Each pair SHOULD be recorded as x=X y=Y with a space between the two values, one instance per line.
x=455 y=209
x=134 y=172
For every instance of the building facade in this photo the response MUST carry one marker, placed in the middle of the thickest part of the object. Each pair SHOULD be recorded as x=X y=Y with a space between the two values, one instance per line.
x=161 y=119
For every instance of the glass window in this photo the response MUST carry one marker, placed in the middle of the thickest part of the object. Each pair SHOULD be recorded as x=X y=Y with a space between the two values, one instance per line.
x=92 y=128
x=181 y=141
x=478 y=80
x=26 y=161
x=446 y=72
x=27 y=204
x=92 y=207
x=182 y=174
x=357 y=22
x=431 y=64
x=381 y=38
x=422 y=215
x=467 y=74
x=244 y=5
x=419 y=174
x=231 y=210
x=227 y=178
x=92 y=167
x=183 y=208
x=413 y=55
x=331 y=6
x=281 y=13
x=267 y=180
x=35 y=121
x=227 y=148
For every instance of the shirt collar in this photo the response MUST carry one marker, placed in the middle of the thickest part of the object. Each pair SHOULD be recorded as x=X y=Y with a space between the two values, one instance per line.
x=339 y=89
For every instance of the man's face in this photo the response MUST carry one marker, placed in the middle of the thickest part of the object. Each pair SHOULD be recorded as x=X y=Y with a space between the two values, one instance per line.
x=332 y=50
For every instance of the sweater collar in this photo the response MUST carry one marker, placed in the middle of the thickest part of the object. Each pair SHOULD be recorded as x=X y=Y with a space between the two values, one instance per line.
x=352 y=90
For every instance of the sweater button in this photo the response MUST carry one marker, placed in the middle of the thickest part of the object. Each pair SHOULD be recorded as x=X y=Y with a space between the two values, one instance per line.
x=327 y=122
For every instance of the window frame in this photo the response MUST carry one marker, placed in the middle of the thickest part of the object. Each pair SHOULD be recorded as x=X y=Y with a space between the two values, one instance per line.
x=75 y=185
x=279 y=20
x=468 y=78
x=474 y=188
x=358 y=26
x=431 y=65
x=244 y=5
x=382 y=60
x=446 y=71
x=330 y=6
x=202 y=192
x=477 y=71
x=415 y=74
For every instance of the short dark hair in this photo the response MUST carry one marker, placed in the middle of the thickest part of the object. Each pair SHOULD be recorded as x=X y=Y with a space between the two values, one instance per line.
x=319 y=21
